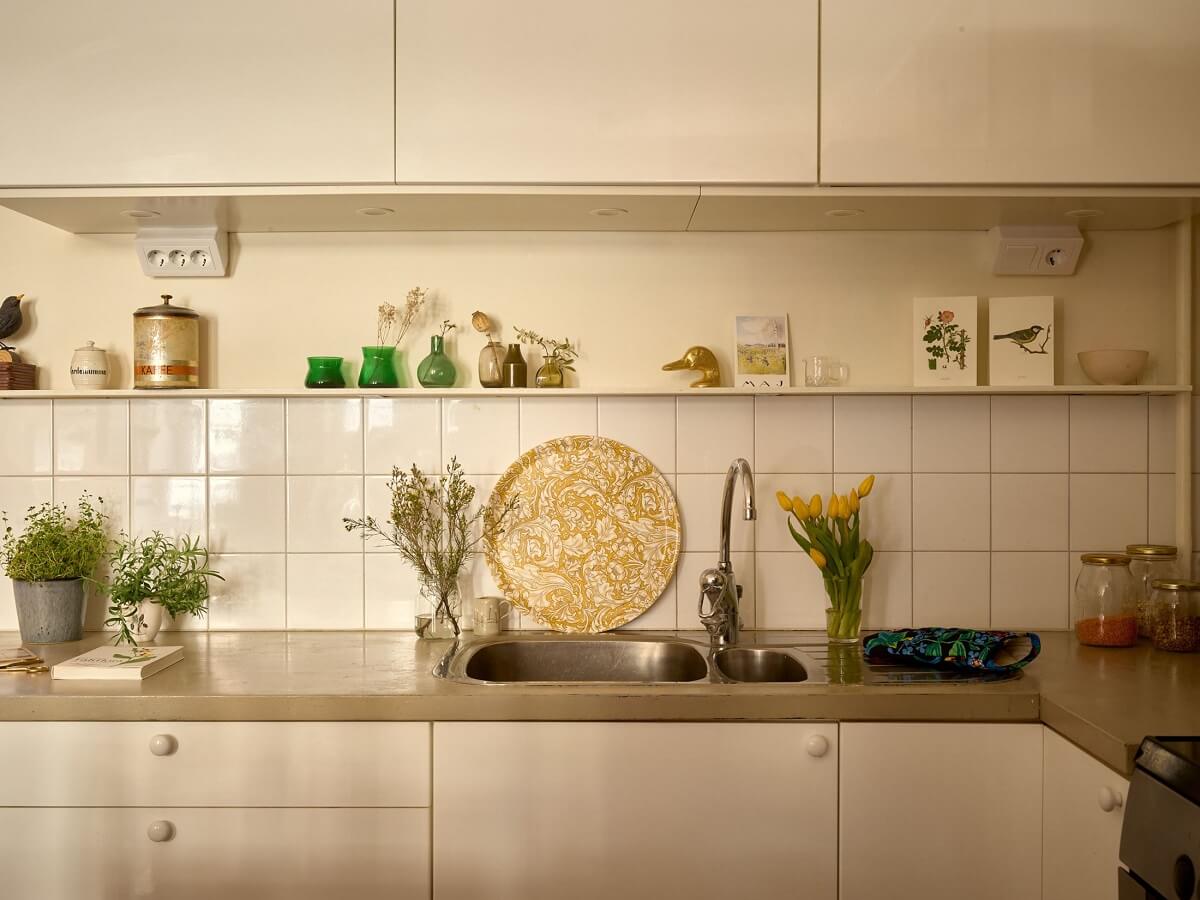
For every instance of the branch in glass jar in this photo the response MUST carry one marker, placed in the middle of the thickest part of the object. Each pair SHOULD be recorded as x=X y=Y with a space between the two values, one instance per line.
x=563 y=352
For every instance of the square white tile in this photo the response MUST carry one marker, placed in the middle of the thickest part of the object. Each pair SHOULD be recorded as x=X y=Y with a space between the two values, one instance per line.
x=252 y=597
x=112 y=490
x=8 y=605
x=324 y=437
x=788 y=592
x=1161 y=509
x=401 y=432
x=316 y=507
x=887 y=591
x=1030 y=434
x=482 y=434
x=324 y=591
x=872 y=434
x=1161 y=412
x=391 y=593
x=687 y=587
x=247 y=513
x=1108 y=434
x=711 y=432
x=887 y=511
x=28 y=446
x=699 y=499
x=91 y=437
x=1107 y=511
x=952 y=434
x=952 y=590
x=951 y=512
x=793 y=434
x=167 y=437
x=647 y=424
x=246 y=437
x=17 y=495
x=174 y=505
x=660 y=616
x=377 y=499
x=546 y=418
x=1029 y=511
x=771 y=527
x=477 y=581
x=1029 y=591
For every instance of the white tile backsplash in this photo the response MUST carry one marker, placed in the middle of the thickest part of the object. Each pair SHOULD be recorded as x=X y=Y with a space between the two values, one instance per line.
x=166 y=437
x=268 y=482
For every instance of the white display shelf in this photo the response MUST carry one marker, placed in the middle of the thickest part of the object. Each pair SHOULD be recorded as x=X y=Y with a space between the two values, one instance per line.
x=475 y=392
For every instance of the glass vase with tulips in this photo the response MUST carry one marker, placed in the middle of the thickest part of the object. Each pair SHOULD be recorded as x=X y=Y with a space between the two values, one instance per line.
x=832 y=538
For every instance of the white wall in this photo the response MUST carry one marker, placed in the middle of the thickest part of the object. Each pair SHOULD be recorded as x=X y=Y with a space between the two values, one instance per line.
x=633 y=300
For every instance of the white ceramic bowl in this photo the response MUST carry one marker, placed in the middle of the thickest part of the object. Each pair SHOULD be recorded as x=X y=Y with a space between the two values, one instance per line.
x=1113 y=366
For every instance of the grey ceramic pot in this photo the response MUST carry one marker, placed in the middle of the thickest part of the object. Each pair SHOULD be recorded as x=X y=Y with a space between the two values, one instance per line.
x=49 y=612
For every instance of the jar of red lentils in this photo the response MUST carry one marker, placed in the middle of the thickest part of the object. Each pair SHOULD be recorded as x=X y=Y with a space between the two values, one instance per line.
x=1105 y=601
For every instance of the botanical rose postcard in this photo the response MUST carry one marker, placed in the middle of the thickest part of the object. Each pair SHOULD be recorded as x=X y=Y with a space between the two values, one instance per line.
x=945 y=340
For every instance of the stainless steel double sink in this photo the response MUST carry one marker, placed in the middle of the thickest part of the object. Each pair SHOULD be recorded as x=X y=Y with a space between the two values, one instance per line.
x=621 y=659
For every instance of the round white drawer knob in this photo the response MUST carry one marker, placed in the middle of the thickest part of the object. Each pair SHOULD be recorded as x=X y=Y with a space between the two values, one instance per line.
x=1110 y=799
x=163 y=745
x=817 y=745
x=160 y=831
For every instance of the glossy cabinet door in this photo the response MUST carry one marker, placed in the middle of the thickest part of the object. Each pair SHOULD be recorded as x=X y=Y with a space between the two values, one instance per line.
x=1013 y=92
x=606 y=91
x=201 y=854
x=940 y=810
x=636 y=811
x=1084 y=802
x=126 y=92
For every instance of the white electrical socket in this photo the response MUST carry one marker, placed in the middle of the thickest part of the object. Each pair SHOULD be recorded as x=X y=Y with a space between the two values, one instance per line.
x=1036 y=250
x=182 y=252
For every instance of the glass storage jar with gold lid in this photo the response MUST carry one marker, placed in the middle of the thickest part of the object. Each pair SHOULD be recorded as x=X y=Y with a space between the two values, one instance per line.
x=1176 y=615
x=1147 y=563
x=1105 y=602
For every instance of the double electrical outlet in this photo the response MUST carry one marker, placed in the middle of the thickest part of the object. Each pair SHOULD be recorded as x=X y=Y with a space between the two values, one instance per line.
x=182 y=252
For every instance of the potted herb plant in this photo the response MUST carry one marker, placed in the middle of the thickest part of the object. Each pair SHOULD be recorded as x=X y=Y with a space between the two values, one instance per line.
x=557 y=358
x=433 y=527
x=153 y=575
x=49 y=563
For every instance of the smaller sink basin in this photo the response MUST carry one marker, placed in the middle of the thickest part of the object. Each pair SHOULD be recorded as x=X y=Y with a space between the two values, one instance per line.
x=759 y=664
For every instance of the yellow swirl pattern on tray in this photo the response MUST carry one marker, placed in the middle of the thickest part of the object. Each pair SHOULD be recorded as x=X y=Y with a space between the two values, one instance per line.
x=594 y=540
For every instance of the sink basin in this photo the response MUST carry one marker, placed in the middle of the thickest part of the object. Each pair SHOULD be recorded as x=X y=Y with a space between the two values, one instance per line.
x=589 y=659
x=759 y=664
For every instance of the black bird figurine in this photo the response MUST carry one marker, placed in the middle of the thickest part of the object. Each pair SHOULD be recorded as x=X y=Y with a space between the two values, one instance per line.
x=11 y=319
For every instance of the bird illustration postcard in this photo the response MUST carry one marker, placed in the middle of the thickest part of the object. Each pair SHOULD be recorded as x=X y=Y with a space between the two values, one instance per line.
x=761 y=361
x=1021 y=345
x=945 y=348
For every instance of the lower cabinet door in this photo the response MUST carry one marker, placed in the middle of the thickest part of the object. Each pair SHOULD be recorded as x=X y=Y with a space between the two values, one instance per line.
x=201 y=854
x=624 y=811
x=1084 y=802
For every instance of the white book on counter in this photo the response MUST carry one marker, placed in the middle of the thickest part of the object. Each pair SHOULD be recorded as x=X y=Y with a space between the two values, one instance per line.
x=118 y=663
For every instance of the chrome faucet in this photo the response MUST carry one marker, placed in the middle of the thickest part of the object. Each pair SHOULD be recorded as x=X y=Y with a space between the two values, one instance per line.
x=719 y=590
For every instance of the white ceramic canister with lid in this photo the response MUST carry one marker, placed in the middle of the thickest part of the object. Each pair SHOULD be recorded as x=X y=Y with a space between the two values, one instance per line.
x=89 y=368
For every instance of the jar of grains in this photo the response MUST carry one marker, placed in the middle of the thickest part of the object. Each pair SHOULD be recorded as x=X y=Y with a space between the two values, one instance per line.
x=1176 y=606
x=1105 y=601
x=1147 y=563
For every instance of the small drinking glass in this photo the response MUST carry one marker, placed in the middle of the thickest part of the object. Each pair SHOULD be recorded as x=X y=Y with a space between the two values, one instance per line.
x=825 y=371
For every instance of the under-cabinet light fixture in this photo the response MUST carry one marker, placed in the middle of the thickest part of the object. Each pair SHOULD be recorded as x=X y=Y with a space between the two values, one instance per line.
x=1084 y=213
x=140 y=213
x=608 y=212
x=848 y=213
x=375 y=211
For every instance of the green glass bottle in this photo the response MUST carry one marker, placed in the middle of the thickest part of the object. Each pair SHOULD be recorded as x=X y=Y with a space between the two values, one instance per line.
x=324 y=372
x=436 y=370
x=378 y=368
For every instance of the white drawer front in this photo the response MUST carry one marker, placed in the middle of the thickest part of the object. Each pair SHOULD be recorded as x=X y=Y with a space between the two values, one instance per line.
x=384 y=764
x=108 y=854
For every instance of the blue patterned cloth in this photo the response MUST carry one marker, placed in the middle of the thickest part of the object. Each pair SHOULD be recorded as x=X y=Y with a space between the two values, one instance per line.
x=954 y=648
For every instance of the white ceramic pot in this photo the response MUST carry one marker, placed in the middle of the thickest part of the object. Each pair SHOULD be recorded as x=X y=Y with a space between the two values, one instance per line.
x=151 y=619
x=89 y=367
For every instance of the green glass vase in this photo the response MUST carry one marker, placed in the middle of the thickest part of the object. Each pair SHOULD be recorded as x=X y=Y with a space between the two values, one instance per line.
x=378 y=368
x=436 y=370
x=324 y=372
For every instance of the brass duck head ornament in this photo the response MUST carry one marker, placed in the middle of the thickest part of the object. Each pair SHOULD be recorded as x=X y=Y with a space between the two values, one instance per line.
x=698 y=359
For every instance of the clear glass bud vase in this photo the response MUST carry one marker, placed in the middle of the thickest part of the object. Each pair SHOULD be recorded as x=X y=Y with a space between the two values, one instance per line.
x=438 y=617
x=843 y=616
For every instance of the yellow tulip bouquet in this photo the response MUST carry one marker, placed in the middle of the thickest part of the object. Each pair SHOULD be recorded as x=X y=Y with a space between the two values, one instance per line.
x=834 y=543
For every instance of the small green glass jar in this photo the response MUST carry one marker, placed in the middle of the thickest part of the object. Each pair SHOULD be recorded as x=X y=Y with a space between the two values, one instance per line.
x=378 y=368
x=324 y=372
x=436 y=370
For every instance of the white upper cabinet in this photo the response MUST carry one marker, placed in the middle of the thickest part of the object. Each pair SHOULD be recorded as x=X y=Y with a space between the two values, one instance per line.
x=126 y=92
x=620 y=91
x=1014 y=92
